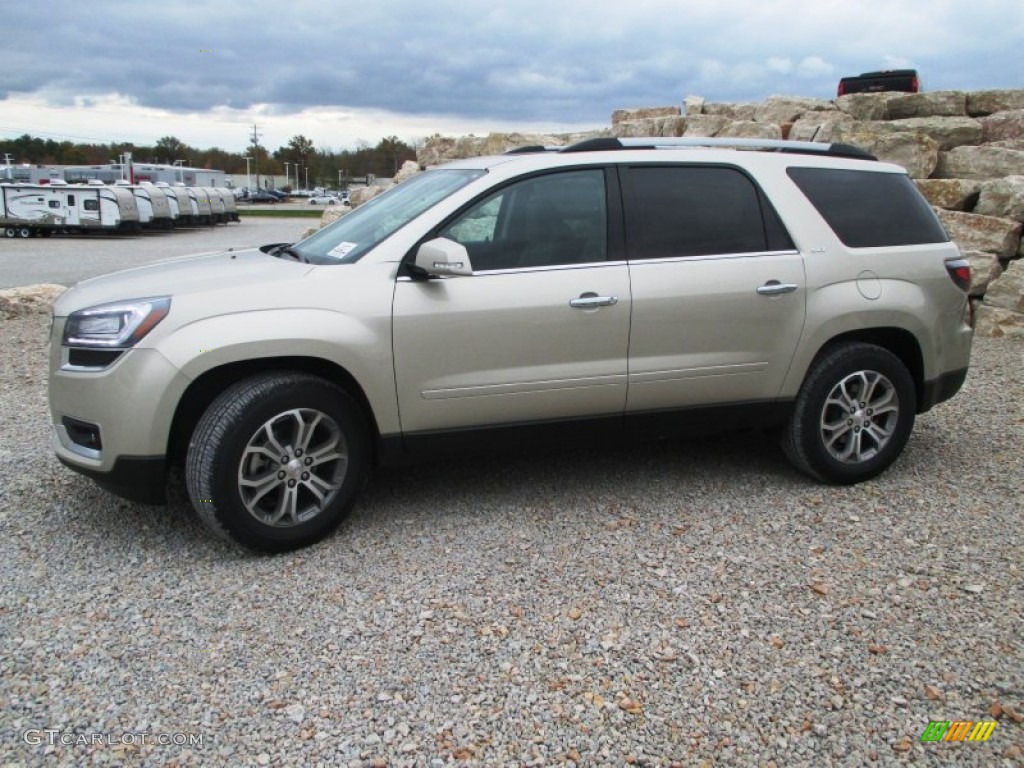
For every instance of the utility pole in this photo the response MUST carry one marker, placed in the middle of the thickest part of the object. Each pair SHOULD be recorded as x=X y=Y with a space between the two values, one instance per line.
x=255 y=139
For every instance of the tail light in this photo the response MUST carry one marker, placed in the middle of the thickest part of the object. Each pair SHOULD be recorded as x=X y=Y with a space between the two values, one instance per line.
x=960 y=273
x=842 y=89
x=915 y=86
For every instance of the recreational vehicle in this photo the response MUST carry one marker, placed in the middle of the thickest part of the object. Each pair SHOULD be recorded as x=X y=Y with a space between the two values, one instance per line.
x=31 y=209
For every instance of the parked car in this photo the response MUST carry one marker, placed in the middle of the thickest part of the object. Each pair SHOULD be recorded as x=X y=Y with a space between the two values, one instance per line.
x=622 y=288
x=325 y=200
x=261 y=196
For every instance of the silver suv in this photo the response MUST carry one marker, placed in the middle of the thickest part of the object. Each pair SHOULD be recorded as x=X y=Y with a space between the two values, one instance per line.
x=633 y=287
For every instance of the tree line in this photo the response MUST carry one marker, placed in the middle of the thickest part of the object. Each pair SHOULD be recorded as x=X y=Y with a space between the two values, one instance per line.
x=324 y=165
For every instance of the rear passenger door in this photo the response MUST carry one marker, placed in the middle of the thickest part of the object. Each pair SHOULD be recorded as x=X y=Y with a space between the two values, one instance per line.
x=718 y=288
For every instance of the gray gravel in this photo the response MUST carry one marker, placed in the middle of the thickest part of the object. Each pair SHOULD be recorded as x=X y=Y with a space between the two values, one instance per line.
x=66 y=259
x=673 y=603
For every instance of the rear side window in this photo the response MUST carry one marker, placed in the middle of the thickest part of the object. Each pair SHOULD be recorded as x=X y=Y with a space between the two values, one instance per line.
x=867 y=209
x=699 y=211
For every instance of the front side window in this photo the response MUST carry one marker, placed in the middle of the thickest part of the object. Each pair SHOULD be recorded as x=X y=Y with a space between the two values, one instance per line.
x=543 y=221
x=695 y=211
x=353 y=235
x=91 y=205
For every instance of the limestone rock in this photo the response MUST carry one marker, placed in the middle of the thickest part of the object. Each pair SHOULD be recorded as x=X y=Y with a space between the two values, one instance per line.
x=985 y=267
x=974 y=232
x=732 y=111
x=1003 y=126
x=361 y=195
x=819 y=126
x=930 y=104
x=332 y=213
x=865 y=106
x=997 y=322
x=642 y=113
x=787 y=109
x=981 y=103
x=1002 y=197
x=949 y=132
x=650 y=126
x=915 y=151
x=1007 y=291
x=748 y=129
x=441 y=149
x=984 y=162
x=29 y=299
x=705 y=125
x=693 y=105
x=951 y=194
x=409 y=169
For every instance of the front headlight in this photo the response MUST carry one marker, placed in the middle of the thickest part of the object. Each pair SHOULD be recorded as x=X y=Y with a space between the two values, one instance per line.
x=121 y=324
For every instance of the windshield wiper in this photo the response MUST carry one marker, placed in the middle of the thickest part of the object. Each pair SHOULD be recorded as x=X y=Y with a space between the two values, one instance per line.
x=287 y=249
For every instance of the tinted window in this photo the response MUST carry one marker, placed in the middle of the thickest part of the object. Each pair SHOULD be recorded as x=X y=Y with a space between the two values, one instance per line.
x=695 y=211
x=867 y=209
x=559 y=218
x=91 y=205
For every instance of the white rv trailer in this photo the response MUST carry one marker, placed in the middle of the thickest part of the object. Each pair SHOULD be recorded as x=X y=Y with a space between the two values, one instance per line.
x=154 y=210
x=200 y=205
x=217 y=210
x=181 y=205
x=230 y=204
x=31 y=209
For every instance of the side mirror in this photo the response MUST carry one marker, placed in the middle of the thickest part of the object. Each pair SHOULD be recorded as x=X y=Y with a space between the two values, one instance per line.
x=442 y=256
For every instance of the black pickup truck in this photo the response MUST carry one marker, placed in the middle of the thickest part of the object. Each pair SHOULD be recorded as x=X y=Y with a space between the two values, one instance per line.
x=886 y=80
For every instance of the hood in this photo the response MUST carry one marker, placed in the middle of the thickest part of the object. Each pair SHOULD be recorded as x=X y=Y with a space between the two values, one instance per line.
x=183 y=276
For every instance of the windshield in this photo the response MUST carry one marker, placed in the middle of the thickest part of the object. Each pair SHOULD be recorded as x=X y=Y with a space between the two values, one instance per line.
x=354 y=234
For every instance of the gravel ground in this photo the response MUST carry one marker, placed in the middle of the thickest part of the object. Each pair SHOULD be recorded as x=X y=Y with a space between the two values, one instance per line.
x=674 y=603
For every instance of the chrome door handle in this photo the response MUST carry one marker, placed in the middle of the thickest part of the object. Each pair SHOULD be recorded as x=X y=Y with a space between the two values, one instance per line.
x=775 y=288
x=589 y=301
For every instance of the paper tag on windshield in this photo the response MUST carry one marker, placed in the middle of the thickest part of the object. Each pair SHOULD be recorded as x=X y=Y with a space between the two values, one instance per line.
x=341 y=249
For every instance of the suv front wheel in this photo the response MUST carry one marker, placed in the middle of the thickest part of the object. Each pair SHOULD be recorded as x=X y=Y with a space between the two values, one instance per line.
x=853 y=415
x=277 y=460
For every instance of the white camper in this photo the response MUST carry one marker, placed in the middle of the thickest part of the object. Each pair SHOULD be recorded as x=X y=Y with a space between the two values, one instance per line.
x=200 y=205
x=178 y=197
x=230 y=204
x=154 y=210
x=42 y=209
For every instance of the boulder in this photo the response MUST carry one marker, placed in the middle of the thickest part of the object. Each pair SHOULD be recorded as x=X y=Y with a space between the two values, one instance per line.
x=931 y=104
x=29 y=299
x=643 y=113
x=983 y=162
x=332 y=213
x=974 y=232
x=818 y=126
x=693 y=105
x=985 y=267
x=980 y=103
x=409 y=169
x=748 y=129
x=361 y=195
x=441 y=149
x=951 y=194
x=865 y=106
x=650 y=126
x=915 y=151
x=1003 y=126
x=998 y=323
x=1007 y=291
x=787 y=109
x=948 y=132
x=732 y=111
x=705 y=125
x=1002 y=197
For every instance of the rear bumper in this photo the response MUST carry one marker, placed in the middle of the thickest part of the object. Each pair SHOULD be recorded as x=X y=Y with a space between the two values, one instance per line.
x=940 y=389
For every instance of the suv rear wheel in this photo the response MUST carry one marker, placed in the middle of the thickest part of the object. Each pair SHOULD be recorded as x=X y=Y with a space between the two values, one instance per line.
x=277 y=461
x=853 y=415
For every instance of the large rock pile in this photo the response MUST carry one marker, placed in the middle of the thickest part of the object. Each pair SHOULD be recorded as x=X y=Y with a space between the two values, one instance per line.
x=964 y=149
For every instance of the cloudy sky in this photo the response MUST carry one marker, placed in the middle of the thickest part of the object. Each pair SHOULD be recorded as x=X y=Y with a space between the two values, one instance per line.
x=205 y=72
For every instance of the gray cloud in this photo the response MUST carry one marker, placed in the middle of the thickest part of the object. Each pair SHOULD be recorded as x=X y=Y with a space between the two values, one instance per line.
x=571 y=62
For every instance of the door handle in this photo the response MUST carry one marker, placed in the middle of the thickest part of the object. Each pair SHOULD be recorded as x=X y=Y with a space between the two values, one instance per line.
x=775 y=288
x=590 y=300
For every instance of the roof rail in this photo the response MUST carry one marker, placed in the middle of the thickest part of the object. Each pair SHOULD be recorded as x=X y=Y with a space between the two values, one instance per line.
x=777 y=145
x=531 y=149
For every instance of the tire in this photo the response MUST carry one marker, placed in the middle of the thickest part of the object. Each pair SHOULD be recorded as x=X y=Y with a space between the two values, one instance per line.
x=269 y=503
x=10 y=232
x=837 y=436
x=24 y=233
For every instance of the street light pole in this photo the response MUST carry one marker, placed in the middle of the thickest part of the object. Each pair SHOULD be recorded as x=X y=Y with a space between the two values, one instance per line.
x=248 y=177
x=307 y=177
x=286 y=177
